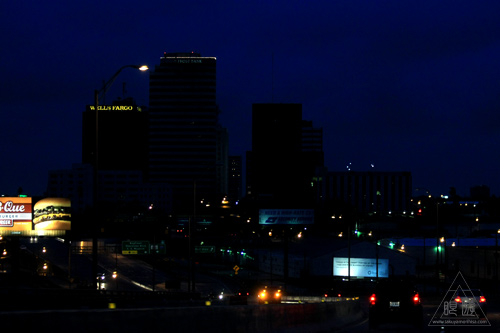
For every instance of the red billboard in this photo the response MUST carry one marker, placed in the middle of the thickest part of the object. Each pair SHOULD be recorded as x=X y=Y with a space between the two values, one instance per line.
x=15 y=215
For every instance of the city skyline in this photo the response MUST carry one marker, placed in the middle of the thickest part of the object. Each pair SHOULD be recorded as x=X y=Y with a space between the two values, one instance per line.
x=402 y=87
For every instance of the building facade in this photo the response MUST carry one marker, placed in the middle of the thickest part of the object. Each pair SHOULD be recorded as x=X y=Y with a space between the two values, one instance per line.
x=285 y=153
x=184 y=131
x=367 y=192
x=118 y=187
x=122 y=136
x=235 y=180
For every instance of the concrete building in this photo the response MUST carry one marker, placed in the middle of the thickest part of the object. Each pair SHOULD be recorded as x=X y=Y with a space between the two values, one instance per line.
x=116 y=188
x=122 y=136
x=366 y=192
x=185 y=138
x=285 y=153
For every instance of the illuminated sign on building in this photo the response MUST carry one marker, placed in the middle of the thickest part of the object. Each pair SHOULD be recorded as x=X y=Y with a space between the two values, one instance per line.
x=286 y=216
x=15 y=214
x=114 y=108
x=361 y=267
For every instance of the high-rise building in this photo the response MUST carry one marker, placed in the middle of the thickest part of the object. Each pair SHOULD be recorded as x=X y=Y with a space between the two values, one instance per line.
x=184 y=132
x=235 y=179
x=122 y=138
x=285 y=153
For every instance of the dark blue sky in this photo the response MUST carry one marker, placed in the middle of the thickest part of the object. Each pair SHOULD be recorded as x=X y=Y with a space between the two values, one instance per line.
x=404 y=85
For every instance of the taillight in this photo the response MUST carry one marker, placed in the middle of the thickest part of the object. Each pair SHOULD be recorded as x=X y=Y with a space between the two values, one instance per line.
x=373 y=299
x=416 y=299
x=458 y=299
x=482 y=299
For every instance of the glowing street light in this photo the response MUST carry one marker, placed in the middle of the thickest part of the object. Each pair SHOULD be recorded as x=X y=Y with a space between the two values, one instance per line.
x=108 y=84
x=97 y=92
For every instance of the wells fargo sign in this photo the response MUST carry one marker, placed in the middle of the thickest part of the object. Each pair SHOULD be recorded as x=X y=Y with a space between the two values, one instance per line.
x=114 y=108
x=15 y=214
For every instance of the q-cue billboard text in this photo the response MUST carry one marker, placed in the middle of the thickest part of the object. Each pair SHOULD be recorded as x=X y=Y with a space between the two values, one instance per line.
x=15 y=214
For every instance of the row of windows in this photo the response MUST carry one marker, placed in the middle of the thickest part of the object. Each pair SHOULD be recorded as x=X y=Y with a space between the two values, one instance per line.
x=176 y=130
x=68 y=175
x=154 y=130
x=185 y=149
x=181 y=160
x=187 y=62
x=187 y=181
x=183 y=146
x=175 y=174
x=201 y=143
x=185 y=70
x=183 y=136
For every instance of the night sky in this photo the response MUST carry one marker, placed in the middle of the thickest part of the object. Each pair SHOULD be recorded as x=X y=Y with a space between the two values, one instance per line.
x=403 y=85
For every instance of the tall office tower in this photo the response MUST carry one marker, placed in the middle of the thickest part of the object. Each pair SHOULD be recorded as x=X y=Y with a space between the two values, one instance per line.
x=284 y=155
x=183 y=127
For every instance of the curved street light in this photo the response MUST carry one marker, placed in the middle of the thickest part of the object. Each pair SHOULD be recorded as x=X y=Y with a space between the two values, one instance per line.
x=108 y=84
x=97 y=92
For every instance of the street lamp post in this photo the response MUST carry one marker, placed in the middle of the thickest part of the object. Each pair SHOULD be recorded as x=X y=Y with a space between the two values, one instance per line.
x=496 y=254
x=96 y=225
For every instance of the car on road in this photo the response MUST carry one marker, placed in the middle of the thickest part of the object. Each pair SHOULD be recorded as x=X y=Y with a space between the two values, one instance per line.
x=470 y=302
x=395 y=301
x=270 y=295
x=239 y=298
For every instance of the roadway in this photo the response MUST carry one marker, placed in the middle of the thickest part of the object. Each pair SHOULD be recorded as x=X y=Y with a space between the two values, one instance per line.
x=431 y=306
x=133 y=273
x=137 y=274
